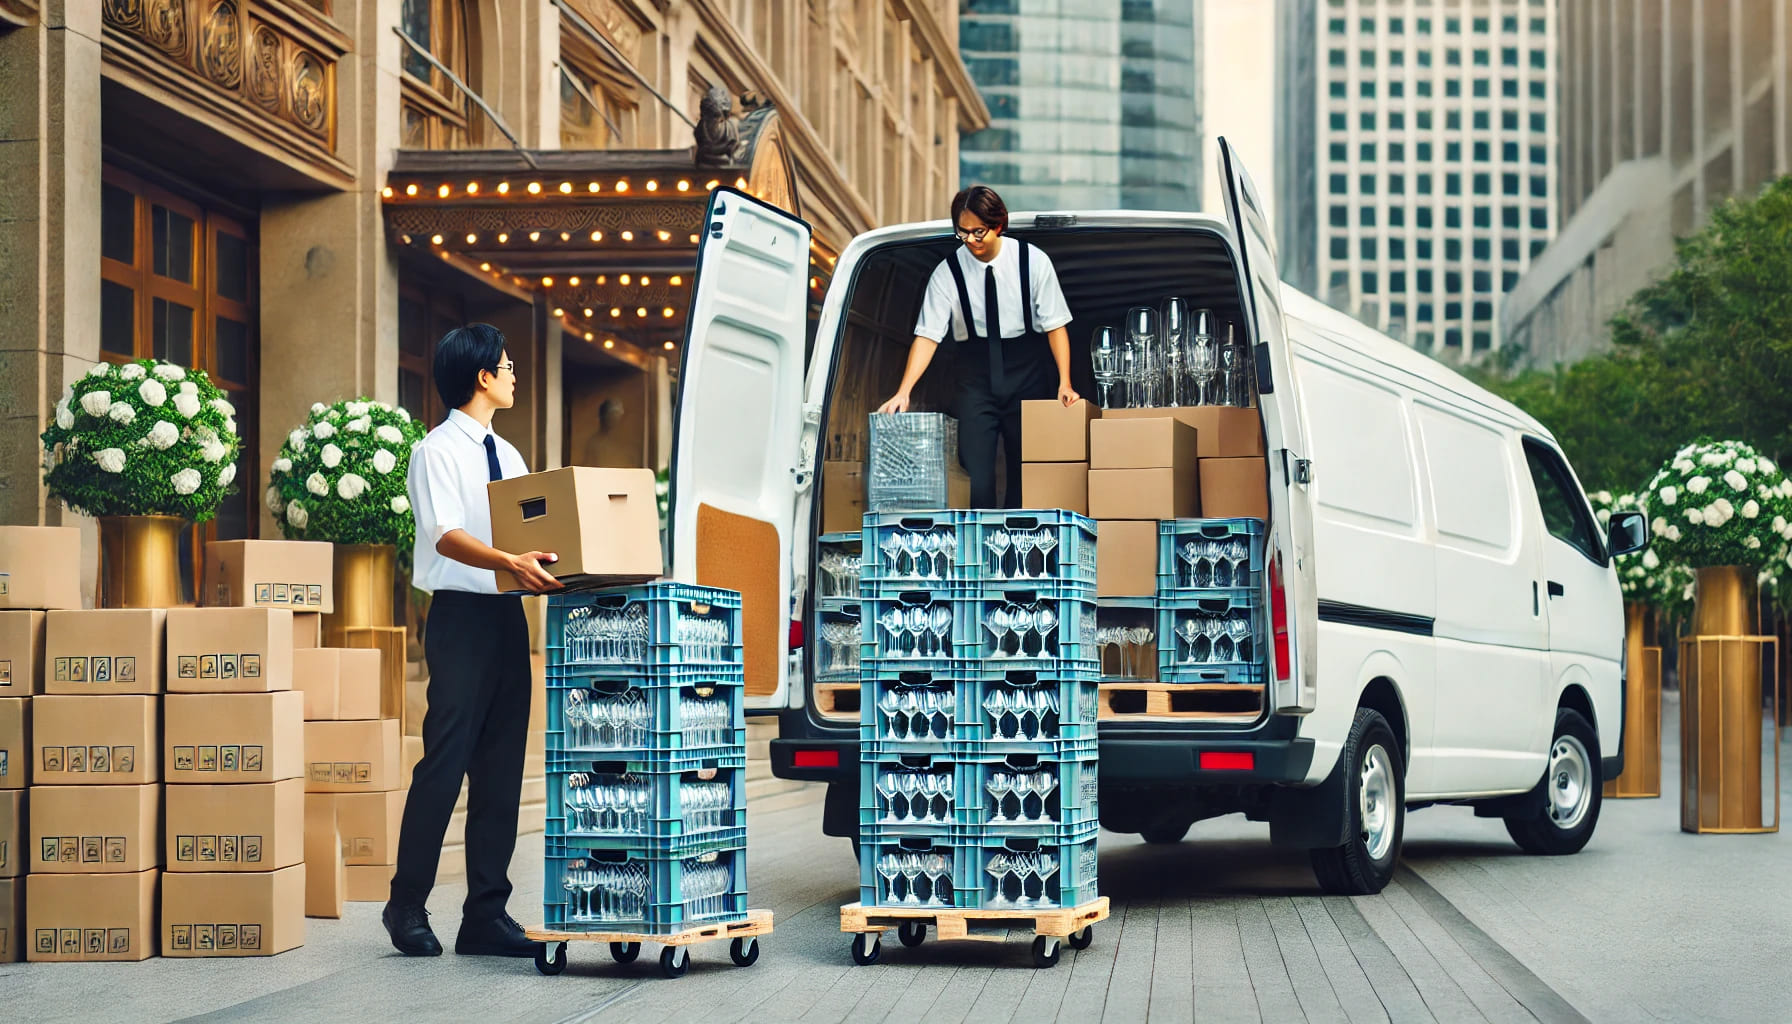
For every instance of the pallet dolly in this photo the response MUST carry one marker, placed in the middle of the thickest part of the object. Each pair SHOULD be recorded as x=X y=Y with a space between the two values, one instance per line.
x=674 y=958
x=1050 y=925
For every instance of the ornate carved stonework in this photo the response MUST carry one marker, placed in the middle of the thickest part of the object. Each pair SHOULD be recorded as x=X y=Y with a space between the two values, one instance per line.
x=616 y=24
x=17 y=13
x=276 y=59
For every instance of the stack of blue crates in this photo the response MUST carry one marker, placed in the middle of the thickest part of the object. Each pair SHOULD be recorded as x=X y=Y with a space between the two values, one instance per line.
x=978 y=705
x=646 y=760
x=1210 y=626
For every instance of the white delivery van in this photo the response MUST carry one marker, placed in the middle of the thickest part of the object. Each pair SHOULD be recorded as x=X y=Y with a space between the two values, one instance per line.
x=1446 y=618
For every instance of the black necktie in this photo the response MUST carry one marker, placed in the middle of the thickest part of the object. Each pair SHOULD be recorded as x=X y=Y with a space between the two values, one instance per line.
x=992 y=323
x=491 y=457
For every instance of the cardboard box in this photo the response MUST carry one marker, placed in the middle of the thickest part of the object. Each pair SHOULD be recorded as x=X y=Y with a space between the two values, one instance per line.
x=105 y=650
x=351 y=757
x=370 y=883
x=1232 y=488
x=604 y=524
x=1052 y=432
x=72 y=918
x=390 y=641
x=369 y=825
x=96 y=741
x=1222 y=431
x=40 y=567
x=1062 y=485
x=842 y=497
x=293 y=574
x=235 y=737
x=1162 y=442
x=89 y=829
x=242 y=913
x=14 y=834
x=15 y=742
x=1144 y=493
x=229 y=650
x=21 y=653
x=307 y=630
x=1126 y=558
x=258 y=827
x=12 y=920
x=413 y=753
x=338 y=684
x=326 y=876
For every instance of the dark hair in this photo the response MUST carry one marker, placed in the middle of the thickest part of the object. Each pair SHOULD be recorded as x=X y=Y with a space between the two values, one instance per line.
x=460 y=355
x=982 y=201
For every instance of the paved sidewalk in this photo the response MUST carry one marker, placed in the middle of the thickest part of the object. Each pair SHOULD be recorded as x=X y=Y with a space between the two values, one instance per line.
x=1646 y=923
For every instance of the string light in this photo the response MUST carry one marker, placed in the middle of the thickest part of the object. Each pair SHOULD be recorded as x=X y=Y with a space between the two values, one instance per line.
x=472 y=239
x=565 y=187
x=712 y=184
x=472 y=188
x=665 y=236
x=740 y=183
x=601 y=279
x=587 y=311
x=597 y=236
x=443 y=191
x=624 y=279
x=406 y=239
x=535 y=188
x=503 y=237
x=534 y=236
x=485 y=266
x=565 y=236
x=815 y=282
x=670 y=345
x=683 y=185
x=622 y=186
x=589 y=336
x=609 y=342
x=615 y=311
x=411 y=189
x=693 y=239
x=645 y=280
x=574 y=281
x=677 y=280
x=653 y=186
x=558 y=312
x=386 y=192
x=593 y=187
x=503 y=188
x=547 y=282
x=435 y=240
x=641 y=311
x=667 y=312
x=628 y=236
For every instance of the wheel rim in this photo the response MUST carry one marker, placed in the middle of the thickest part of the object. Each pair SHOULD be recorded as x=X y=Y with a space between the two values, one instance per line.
x=1376 y=802
x=1569 y=782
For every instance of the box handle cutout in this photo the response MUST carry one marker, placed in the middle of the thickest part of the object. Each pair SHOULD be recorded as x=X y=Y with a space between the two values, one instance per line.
x=533 y=508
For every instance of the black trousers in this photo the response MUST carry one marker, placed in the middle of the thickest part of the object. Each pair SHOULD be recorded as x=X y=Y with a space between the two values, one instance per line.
x=986 y=415
x=475 y=729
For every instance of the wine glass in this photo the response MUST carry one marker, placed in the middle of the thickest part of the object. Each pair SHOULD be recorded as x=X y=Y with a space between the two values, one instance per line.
x=1131 y=359
x=1141 y=330
x=1175 y=331
x=1233 y=360
x=1105 y=354
x=1203 y=357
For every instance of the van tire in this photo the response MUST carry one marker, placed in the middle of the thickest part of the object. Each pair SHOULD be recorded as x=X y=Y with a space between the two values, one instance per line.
x=1371 y=753
x=1165 y=835
x=1573 y=771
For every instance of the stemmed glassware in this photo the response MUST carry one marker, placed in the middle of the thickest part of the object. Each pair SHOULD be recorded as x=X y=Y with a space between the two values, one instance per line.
x=609 y=635
x=1029 y=793
x=1214 y=563
x=1105 y=355
x=1014 y=875
x=841 y=641
x=917 y=554
x=1131 y=641
x=1203 y=357
x=1024 y=544
x=1235 y=365
x=1141 y=331
x=1215 y=639
x=918 y=712
x=1021 y=619
x=926 y=878
x=926 y=797
x=1034 y=713
x=842 y=572
x=1175 y=348
x=918 y=630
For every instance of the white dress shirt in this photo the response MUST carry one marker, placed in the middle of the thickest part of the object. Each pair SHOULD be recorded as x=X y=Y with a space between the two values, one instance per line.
x=447 y=482
x=941 y=301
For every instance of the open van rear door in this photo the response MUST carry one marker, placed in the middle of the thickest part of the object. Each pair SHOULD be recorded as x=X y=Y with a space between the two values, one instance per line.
x=740 y=406
x=1294 y=595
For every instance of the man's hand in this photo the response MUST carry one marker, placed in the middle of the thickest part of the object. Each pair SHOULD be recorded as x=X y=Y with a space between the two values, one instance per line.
x=527 y=568
x=1068 y=395
x=897 y=403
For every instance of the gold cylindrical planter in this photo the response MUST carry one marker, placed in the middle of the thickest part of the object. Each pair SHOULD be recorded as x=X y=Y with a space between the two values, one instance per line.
x=1725 y=603
x=139 y=561
x=1721 y=724
x=363 y=589
x=1642 y=712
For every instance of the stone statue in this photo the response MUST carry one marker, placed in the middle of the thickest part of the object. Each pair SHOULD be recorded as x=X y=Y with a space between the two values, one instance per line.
x=718 y=134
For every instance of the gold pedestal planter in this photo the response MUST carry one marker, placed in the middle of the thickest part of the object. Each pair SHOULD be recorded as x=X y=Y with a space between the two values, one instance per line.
x=1721 y=717
x=1642 y=713
x=139 y=561
x=363 y=590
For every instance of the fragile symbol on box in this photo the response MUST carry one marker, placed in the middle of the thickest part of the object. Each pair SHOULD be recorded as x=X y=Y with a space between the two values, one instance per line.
x=210 y=937
x=218 y=849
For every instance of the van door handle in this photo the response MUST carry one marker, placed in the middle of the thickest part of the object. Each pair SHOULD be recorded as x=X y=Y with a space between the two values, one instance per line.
x=1555 y=589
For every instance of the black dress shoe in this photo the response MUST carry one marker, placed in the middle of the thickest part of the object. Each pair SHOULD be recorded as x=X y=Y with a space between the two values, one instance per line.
x=500 y=936
x=409 y=927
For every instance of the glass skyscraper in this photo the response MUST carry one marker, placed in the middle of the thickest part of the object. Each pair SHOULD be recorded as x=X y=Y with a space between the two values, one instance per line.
x=1094 y=103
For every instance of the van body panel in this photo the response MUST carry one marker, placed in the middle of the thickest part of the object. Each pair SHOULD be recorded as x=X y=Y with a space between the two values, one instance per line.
x=735 y=441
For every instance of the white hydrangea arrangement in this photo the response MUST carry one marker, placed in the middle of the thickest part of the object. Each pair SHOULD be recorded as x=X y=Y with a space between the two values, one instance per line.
x=142 y=438
x=340 y=476
x=1720 y=503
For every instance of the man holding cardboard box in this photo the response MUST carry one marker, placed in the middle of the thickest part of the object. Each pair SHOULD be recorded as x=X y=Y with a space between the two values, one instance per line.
x=477 y=644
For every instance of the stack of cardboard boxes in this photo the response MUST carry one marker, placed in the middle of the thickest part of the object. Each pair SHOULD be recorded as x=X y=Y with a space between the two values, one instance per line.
x=34 y=579
x=234 y=740
x=1055 y=453
x=352 y=790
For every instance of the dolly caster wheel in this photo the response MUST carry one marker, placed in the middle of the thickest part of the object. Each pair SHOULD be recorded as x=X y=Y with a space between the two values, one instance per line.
x=1046 y=951
x=744 y=951
x=547 y=965
x=1082 y=939
x=865 y=949
x=625 y=952
x=912 y=933
x=674 y=961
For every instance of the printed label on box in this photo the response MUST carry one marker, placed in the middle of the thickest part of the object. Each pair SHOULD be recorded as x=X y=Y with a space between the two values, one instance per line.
x=210 y=937
x=79 y=941
x=99 y=760
x=208 y=666
x=124 y=759
x=183 y=759
x=187 y=667
x=77 y=759
x=52 y=759
x=224 y=758
x=251 y=666
x=100 y=670
x=217 y=849
x=264 y=592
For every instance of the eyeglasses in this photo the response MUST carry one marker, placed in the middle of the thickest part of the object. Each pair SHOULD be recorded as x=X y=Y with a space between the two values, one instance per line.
x=974 y=233
x=507 y=366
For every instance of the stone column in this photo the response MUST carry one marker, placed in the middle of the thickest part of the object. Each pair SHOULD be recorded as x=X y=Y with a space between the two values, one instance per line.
x=329 y=285
x=49 y=242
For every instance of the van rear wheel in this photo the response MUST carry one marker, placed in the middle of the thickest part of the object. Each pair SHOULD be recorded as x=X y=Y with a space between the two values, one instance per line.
x=1558 y=817
x=1374 y=809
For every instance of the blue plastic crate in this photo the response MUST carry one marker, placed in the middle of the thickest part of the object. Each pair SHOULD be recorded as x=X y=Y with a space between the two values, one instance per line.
x=836 y=654
x=1175 y=577
x=660 y=623
x=915 y=626
x=620 y=806
x=1226 y=657
x=935 y=878
x=1071 y=638
x=1067 y=556
x=921 y=710
x=892 y=557
x=1022 y=707
x=648 y=762
x=648 y=893
x=671 y=708
x=948 y=798
x=919 y=868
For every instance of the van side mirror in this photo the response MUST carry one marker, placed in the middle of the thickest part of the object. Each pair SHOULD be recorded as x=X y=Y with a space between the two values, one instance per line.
x=1627 y=533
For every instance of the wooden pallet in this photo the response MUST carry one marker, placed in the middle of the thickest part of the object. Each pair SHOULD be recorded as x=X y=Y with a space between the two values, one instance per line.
x=1123 y=701
x=837 y=700
x=987 y=925
x=757 y=922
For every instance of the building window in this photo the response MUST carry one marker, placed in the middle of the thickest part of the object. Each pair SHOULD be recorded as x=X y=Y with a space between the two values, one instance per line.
x=1424 y=279
x=1366 y=184
x=1509 y=218
x=1424 y=311
x=1396 y=246
x=1509 y=56
x=1509 y=249
x=1537 y=28
x=1453 y=26
x=1397 y=285
x=1397 y=121
x=1425 y=123
x=1366 y=248
x=1483 y=283
x=1366 y=89
x=1452 y=184
x=1453 y=152
x=1336 y=58
x=1509 y=88
x=1396 y=184
x=1423 y=152
x=1423 y=216
x=1366 y=152
x=1483 y=340
x=1396 y=90
x=1338 y=91
x=178 y=282
x=1452 y=249
x=1452 y=311
x=1483 y=249
x=1396 y=151
x=1452 y=88
x=1367 y=120
x=1369 y=282
x=1452 y=216
x=1482 y=152
x=434 y=113
x=1366 y=216
x=1366 y=58
x=1340 y=184
x=586 y=72
x=1423 y=246
x=1396 y=216
x=1509 y=120
x=1397 y=59
x=1424 y=26
x=1509 y=152
x=1453 y=283
x=1539 y=60
x=1339 y=152
x=1396 y=26
x=1540 y=218
x=1482 y=121
x=1339 y=123
x=1481 y=58
x=1481 y=26
x=1425 y=90
x=1508 y=281
x=1340 y=216
x=1453 y=120
x=1509 y=184
x=1539 y=186
x=1540 y=155
x=1484 y=216
x=1539 y=123
x=1480 y=88
x=1424 y=58
x=1340 y=248
x=1336 y=27
x=1453 y=57
x=1453 y=338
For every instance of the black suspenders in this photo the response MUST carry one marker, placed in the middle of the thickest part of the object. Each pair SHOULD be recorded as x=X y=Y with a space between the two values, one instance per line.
x=964 y=295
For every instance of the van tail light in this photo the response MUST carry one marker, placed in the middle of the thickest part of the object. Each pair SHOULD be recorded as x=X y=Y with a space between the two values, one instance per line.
x=815 y=759
x=1278 y=619
x=1227 y=761
x=796 y=634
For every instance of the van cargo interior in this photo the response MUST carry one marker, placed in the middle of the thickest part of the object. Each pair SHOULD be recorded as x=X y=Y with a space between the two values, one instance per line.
x=1103 y=273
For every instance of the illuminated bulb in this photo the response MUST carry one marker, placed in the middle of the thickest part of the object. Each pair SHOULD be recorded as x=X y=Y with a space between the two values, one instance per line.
x=677 y=280
x=609 y=342
x=653 y=186
x=558 y=312
x=472 y=238
x=669 y=346
x=593 y=187
x=411 y=189
x=443 y=190
x=503 y=236
x=712 y=184
x=574 y=281
x=597 y=236
x=622 y=186
x=645 y=280
x=534 y=236
x=684 y=186
x=535 y=188
x=628 y=236
x=624 y=279
x=406 y=239
x=565 y=236
x=740 y=183
x=547 y=282
x=693 y=239
x=587 y=310
x=485 y=266
x=601 y=279
x=641 y=311
x=667 y=312
x=387 y=191
x=435 y=239
x=565 y=187
x=815 y=282
x=589 y=335
x=472 y=188
x=615 y=311
x=665 y=236
x=503 y=188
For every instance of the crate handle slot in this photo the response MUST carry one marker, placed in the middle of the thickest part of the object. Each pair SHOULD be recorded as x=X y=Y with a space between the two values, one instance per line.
x=1021 y=845
x=610 y=687
x=1022 y=762
x=1021 y=522
x=1021 y=679
x=920 y=762
x=915 y=844
x=918 y=523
